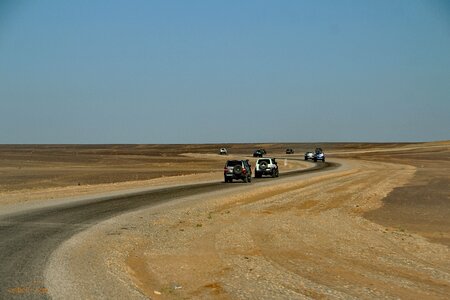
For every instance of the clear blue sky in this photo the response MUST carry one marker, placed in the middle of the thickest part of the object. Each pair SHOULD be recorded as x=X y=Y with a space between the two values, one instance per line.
x=90 y=71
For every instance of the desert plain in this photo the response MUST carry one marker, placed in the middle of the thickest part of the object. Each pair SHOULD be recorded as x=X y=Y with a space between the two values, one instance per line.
x=376 y=225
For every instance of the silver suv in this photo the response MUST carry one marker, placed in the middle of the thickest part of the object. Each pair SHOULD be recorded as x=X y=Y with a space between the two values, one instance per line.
x=319 y=155
x=266 y=166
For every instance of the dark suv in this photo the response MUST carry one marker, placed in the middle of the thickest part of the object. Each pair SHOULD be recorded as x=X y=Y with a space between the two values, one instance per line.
x=259 y=153
x=237 y=169
x=289 y=151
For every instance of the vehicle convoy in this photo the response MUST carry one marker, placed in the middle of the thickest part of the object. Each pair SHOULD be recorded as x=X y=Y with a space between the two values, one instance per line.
x=266 y=166
x=309 y=155
x=319 y=155
x=237 y=169
x=223 y=151
x=290 y=151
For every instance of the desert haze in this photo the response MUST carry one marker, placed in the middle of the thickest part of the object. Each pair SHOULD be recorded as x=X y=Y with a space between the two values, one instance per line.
x=372 y=223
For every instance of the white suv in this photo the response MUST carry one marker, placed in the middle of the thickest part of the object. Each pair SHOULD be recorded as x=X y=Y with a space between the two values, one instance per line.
x=266 y=166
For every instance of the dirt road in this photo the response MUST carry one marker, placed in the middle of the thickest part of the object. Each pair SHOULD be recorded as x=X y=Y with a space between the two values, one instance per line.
x=299 y=238
x=376 y=227
x=28 y=237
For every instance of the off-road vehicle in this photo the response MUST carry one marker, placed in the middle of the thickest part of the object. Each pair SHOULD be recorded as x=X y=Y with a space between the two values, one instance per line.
x=289 y=151
x=266 y=166
x=309 y=155
x=258 y=153
x=319 y=155
x=223 y=151
x=237 y=169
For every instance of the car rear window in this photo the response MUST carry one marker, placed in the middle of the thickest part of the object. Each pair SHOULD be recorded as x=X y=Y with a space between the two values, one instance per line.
x=232 y=163
x=264 y=160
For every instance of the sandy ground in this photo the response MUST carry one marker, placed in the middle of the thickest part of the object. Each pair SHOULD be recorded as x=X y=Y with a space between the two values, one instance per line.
x=32 y=175
x=353 y=232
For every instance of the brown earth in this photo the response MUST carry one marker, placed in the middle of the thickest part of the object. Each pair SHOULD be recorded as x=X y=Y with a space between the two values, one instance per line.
x=377 y=227
x=422 y=205
x=38 y=167
x=41 y=172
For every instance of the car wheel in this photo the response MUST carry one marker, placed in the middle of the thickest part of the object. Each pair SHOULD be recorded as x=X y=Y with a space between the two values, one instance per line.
x=263 y=166
x=245 y=179
x=249 y=179
x=315 y=159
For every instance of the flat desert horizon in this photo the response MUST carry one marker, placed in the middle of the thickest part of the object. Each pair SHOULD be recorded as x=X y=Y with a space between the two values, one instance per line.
x=375 y=225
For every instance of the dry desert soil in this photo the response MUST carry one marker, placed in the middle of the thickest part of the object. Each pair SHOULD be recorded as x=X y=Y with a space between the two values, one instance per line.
x=377 y=226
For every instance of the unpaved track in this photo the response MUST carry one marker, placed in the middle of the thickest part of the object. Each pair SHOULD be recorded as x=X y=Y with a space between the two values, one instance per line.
x=28 y=238
x=295 y=238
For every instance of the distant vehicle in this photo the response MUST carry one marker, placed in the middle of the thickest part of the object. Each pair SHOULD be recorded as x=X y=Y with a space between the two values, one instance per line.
x=223 y=151
x=289 y=151
x=237 y=169
x=309 y=155
x=266 y=166
x=319 y=155
x=258 y=153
